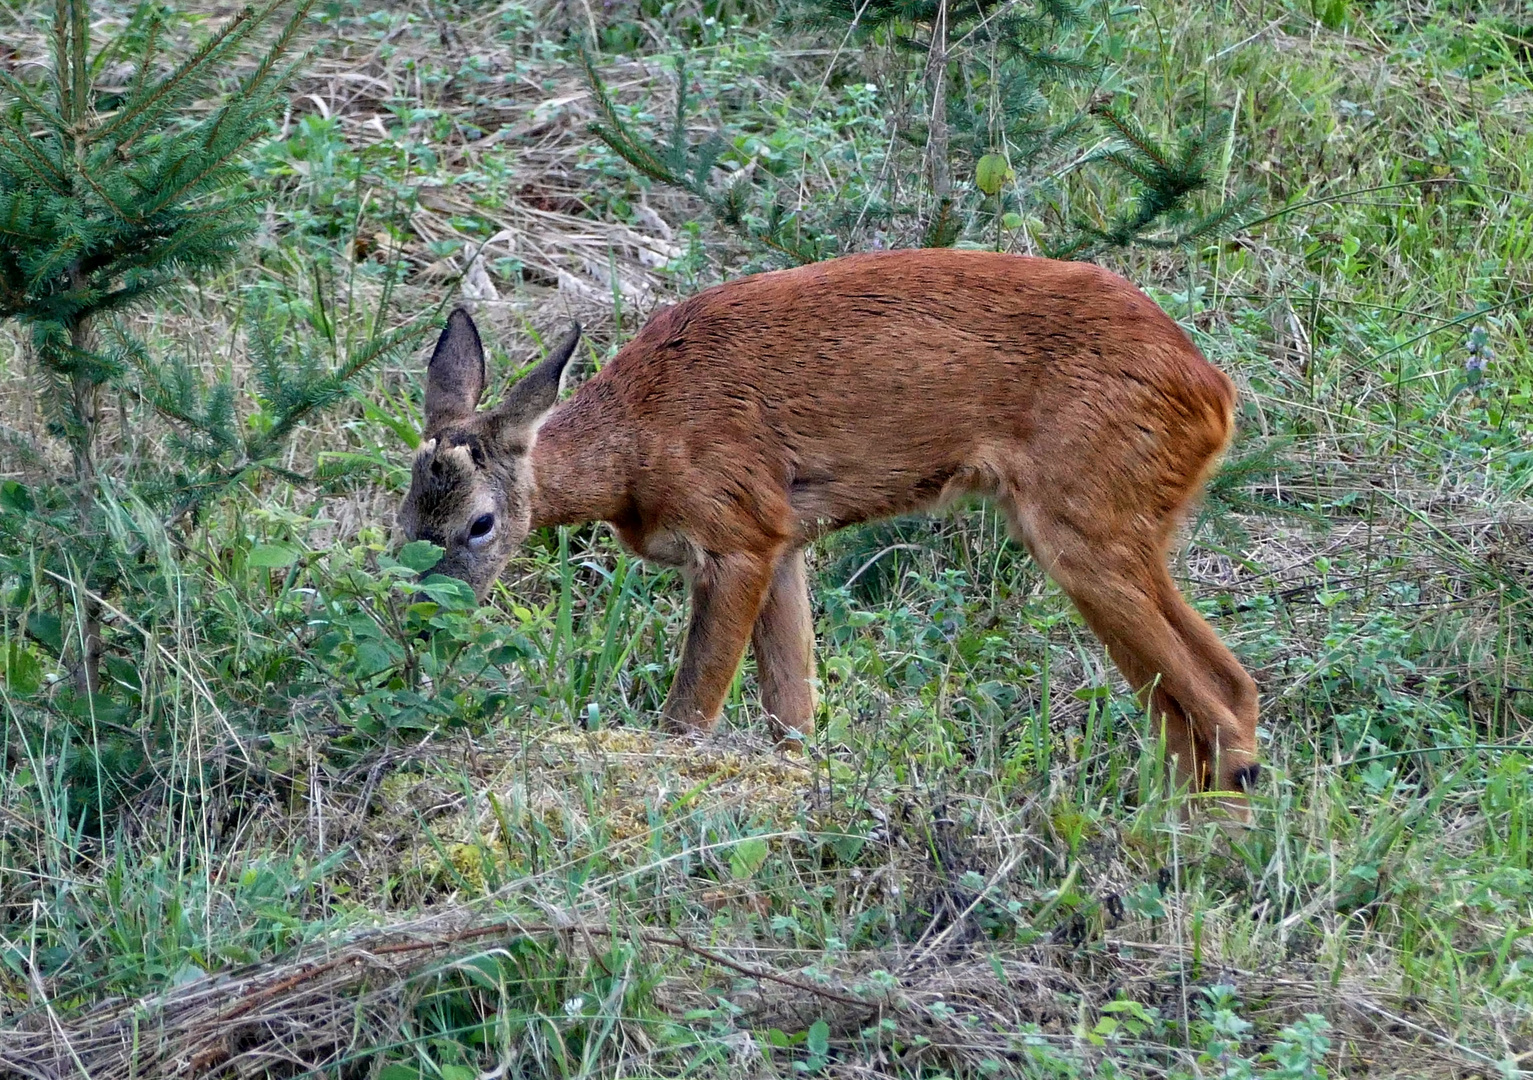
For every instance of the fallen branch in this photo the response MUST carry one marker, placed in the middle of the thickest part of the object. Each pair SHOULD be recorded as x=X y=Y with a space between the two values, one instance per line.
x=298 y=1010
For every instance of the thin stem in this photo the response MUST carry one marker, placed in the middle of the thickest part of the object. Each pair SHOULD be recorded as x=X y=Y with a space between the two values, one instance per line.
x=937 y=138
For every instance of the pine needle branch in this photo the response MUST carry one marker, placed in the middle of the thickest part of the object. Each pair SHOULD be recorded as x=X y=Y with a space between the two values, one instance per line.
x=688 y=169
x=135 y=113
x=31 y=102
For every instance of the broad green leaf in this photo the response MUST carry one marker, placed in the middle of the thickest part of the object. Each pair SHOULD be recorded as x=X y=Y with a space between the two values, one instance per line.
x=992 y=174
x=420 y=555
x=272 y=556
x=747 y=856
x=818 y=1042
x=15 y=496
x=451 y=593
x=23 y=670
x=372 y=657
x=48 y=629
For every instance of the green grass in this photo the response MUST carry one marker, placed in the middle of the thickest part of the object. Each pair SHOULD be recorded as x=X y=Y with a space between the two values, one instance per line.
x=305 y=758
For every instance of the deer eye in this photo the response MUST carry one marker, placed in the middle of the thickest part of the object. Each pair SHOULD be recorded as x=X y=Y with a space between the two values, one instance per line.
x=481 y=526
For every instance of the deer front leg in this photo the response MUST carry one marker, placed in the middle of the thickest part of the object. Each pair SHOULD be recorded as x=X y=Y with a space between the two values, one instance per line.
x=783 y=641
x=727 y=593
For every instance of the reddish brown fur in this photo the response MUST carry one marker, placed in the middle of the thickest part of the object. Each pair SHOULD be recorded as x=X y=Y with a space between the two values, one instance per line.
x=742 y=423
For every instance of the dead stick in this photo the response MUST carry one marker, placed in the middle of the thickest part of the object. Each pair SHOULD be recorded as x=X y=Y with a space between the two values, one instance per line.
x=472 y=933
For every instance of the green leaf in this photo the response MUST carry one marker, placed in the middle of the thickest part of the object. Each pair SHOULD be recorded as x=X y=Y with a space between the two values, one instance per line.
x=15 y=496
x=992 y=174
x=48 y=629
x=818 y=1042
x=420 y=555
x=847 y=847
x=840 y=666
x=746 y=857
x=372 y=657
x=187 y=974
x=272 y=556
x=1129 y=1007
x=486 y=971
x=399 y=1072
x=452 y=594
x=23 y=670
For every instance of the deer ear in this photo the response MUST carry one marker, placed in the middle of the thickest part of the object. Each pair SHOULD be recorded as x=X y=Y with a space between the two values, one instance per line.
x=455 y=375
x=537 y=391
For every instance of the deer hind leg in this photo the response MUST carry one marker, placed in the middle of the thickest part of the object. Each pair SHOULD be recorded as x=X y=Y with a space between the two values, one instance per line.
x=727 y=594
x=1184 y=746
x=783 y=642
x=1229 y=746
x=1204 y=700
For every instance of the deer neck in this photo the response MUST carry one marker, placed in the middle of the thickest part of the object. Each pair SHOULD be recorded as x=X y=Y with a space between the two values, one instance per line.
x=581 y=460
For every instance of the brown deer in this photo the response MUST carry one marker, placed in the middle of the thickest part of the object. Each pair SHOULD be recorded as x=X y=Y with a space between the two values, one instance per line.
x=741 y=424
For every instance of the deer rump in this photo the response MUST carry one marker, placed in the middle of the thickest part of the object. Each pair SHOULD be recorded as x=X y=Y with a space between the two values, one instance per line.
x=760 y=414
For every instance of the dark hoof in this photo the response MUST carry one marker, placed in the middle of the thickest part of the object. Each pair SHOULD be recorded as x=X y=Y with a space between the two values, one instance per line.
x=1246 y=777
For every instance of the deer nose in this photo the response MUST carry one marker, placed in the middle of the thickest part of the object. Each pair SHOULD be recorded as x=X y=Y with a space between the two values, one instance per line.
x=453 y=566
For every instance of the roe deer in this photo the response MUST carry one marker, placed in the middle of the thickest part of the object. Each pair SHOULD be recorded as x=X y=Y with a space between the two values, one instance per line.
x=741 y=424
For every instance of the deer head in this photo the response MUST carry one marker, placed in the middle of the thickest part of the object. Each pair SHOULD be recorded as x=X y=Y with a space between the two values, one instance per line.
x=471 y=488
